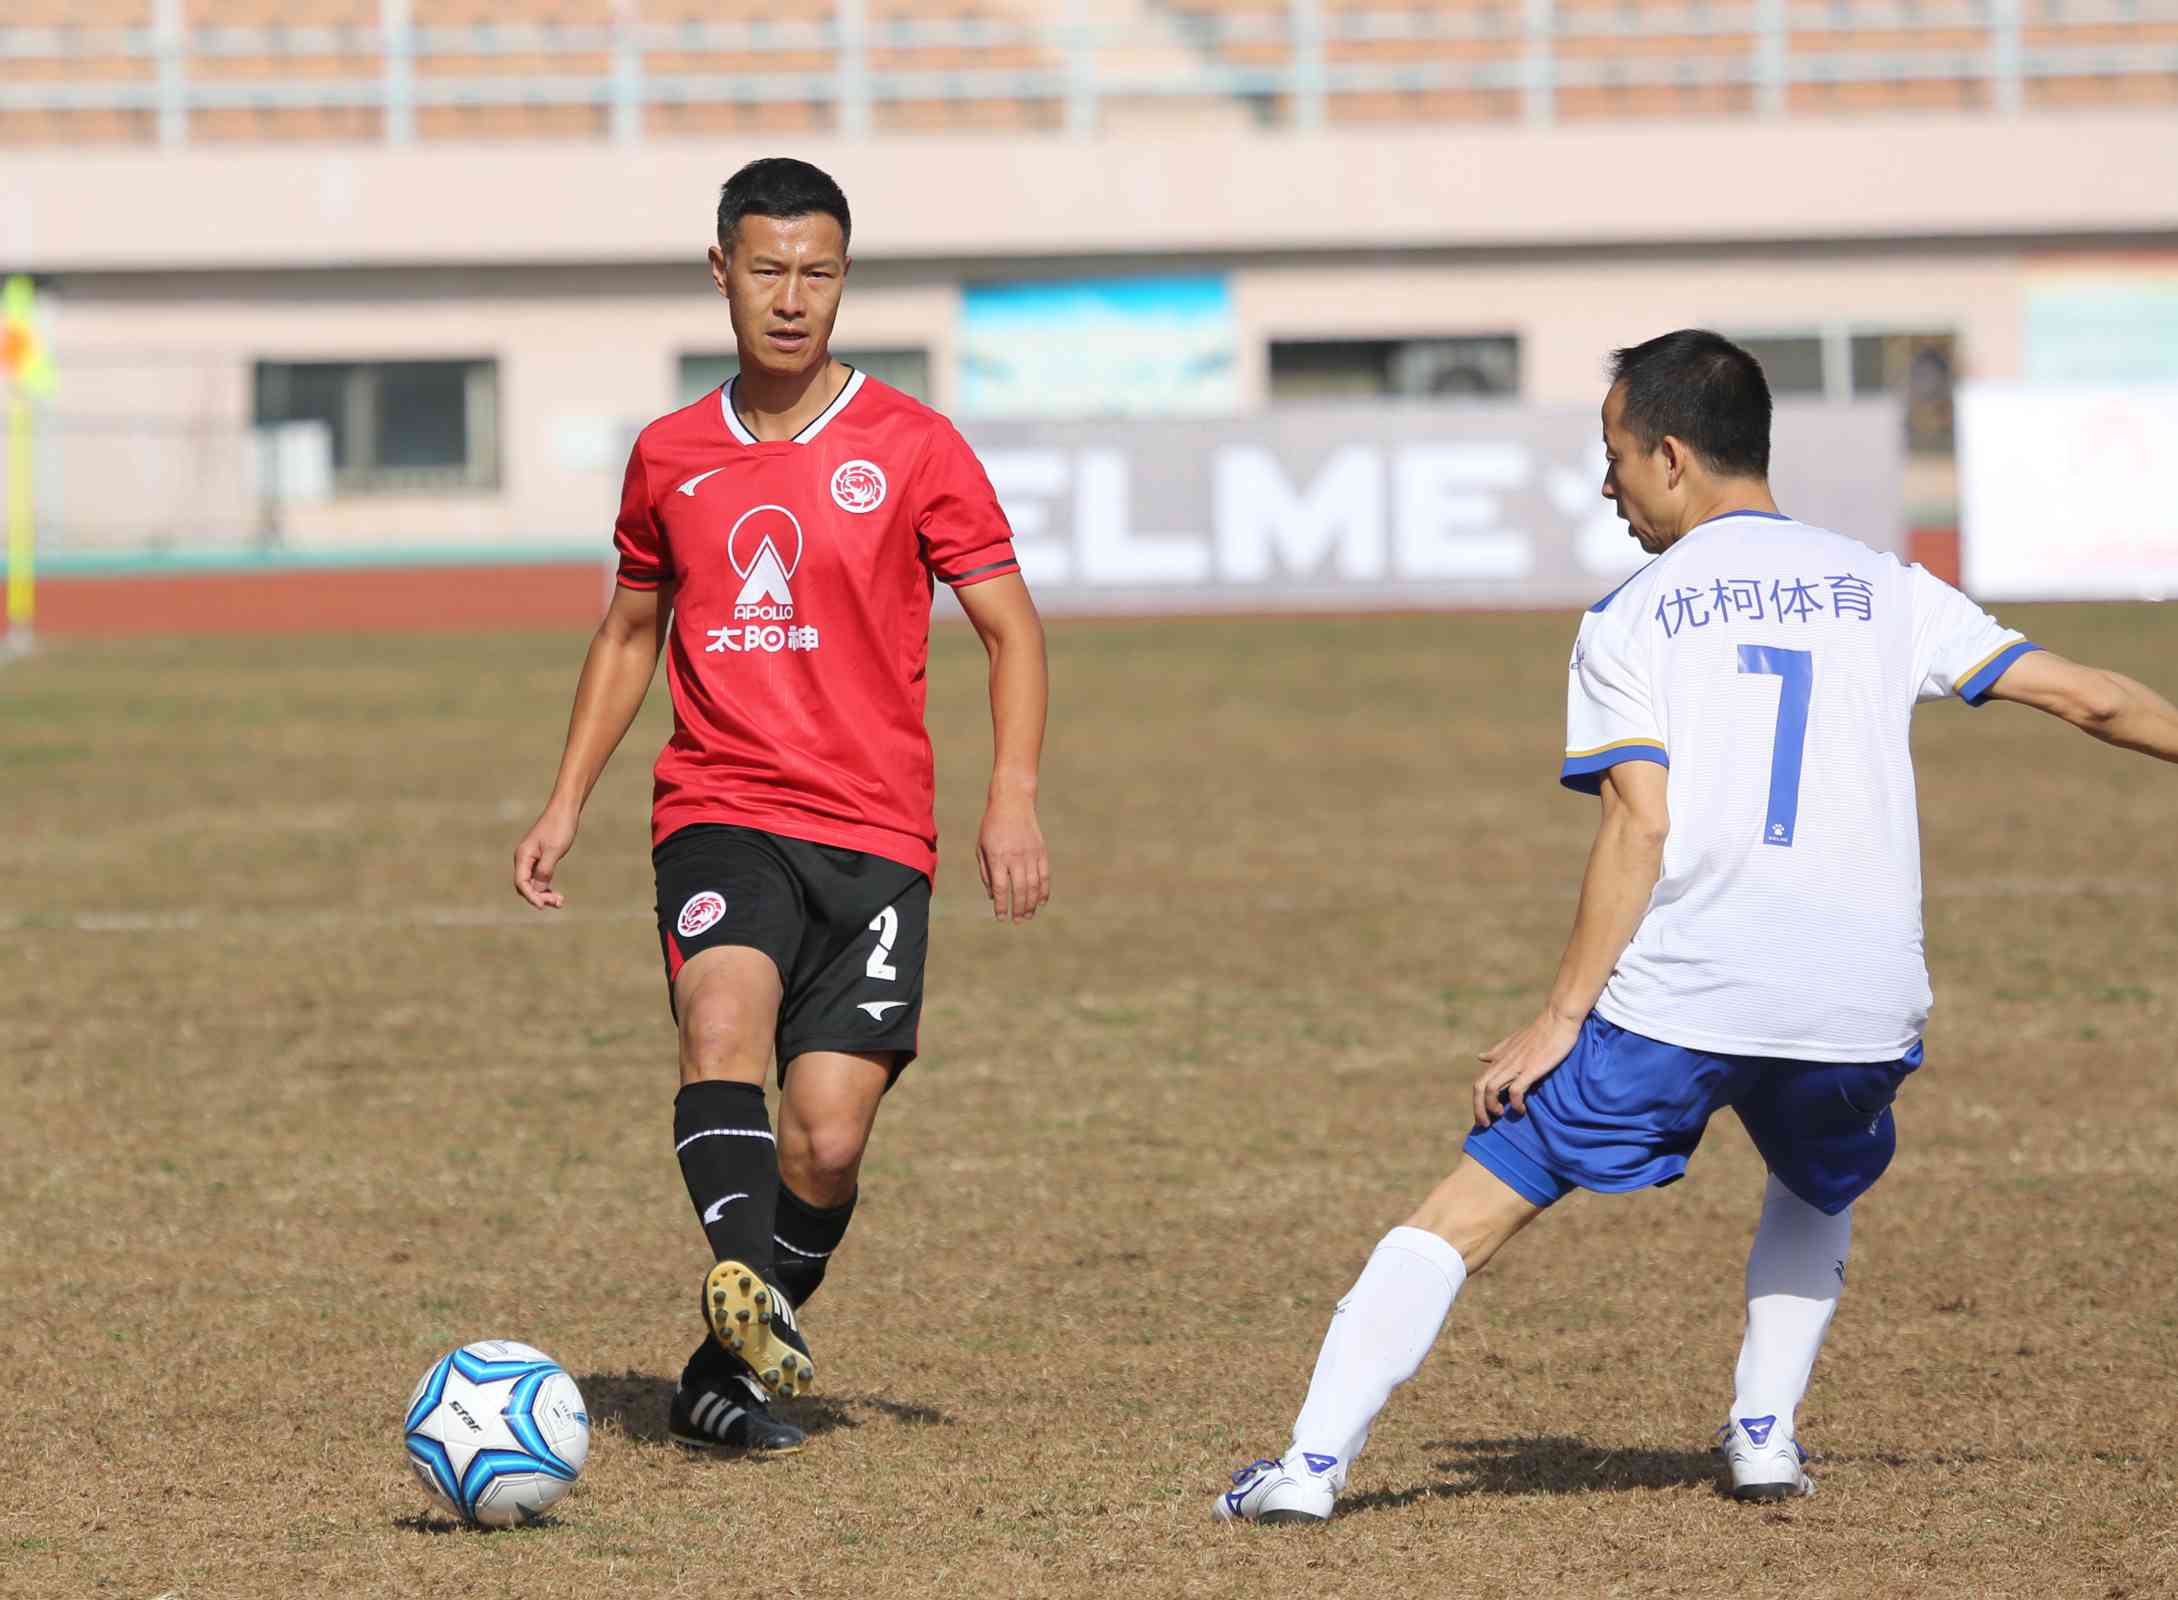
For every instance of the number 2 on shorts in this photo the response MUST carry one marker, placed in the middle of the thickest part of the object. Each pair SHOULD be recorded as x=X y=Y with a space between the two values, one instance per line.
x=1796 y=669
x=886 y=925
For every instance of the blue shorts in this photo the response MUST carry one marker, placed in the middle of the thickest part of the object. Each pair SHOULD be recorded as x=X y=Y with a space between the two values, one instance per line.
x=1624 y=1111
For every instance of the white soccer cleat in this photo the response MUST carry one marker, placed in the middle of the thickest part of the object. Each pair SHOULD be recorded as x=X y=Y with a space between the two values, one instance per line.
x=1270 y=1491
x=1765 y=1464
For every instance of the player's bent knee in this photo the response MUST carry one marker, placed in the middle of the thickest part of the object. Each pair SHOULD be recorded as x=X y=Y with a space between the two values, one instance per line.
x=724 y=1036
x=824 y=1160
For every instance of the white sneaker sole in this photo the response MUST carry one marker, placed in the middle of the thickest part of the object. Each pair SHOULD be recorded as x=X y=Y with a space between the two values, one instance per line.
x=1796 y=1487
x=1275 y=1516
x=1285 y=1518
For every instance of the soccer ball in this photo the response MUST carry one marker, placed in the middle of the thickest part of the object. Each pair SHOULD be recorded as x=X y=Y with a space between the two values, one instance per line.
x=497 y=1432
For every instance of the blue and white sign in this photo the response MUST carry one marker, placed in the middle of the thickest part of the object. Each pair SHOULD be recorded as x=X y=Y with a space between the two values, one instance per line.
x=1107 y=347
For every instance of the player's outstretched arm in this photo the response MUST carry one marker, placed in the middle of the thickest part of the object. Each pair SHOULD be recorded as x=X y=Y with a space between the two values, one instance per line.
x=1623 y=866
x=616 y=675
x=1010 y=851
x=2109 y=705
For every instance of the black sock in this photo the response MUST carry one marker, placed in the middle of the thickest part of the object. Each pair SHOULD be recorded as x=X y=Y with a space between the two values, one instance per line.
x=730 y=1162
x=804 y=1237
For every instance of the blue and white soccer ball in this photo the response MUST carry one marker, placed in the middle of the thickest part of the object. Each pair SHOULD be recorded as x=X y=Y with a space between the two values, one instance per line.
x=497 y=1432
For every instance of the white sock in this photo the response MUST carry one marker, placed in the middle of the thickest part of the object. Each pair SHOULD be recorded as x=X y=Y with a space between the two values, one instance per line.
x=1379 y=1335
x=1795 y=1274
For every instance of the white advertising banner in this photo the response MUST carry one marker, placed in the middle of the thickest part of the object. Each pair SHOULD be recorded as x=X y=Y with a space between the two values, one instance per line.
x=1395 y=508
x=2065 y=492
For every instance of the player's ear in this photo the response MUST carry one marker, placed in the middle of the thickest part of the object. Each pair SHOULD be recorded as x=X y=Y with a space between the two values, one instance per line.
x=1675 y=459
x=721 y=267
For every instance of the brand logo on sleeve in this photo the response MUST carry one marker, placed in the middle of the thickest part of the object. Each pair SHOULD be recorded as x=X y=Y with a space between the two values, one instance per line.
x=859 y=486
x=702 y=911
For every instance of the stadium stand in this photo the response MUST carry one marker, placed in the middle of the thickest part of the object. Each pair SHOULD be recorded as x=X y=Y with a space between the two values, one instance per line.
x=105 y=71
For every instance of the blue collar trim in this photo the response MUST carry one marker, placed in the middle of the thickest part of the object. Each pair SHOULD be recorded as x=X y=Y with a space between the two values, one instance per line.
x=1766 y=516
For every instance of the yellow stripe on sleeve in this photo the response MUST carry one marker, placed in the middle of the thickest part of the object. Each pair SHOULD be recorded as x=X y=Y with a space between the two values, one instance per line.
x=1615 y=744
x=1968 y=675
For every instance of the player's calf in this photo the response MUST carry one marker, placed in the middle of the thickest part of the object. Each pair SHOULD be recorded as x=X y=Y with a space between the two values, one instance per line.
x=804 y=1237
x=826 y=1113
x=729 y=1160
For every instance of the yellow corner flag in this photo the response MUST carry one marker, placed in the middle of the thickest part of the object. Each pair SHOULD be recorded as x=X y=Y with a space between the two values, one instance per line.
x=27 y=369
x=24 y=358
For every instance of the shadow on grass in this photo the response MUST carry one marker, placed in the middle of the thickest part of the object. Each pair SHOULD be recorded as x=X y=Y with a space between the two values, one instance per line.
x=1551 y=1464
x=635 y=1403
x=425 y=1523
x=822 y=1415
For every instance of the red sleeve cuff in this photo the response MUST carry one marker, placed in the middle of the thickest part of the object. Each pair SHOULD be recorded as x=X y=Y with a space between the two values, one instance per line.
x=639 y=580
x=981 y=572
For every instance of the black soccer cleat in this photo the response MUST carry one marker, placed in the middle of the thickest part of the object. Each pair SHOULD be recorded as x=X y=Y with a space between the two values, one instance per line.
x=725 y=1408
x=753 y=1320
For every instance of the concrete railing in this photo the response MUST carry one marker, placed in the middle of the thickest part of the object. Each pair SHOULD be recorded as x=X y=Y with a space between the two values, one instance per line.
x=1302 y=64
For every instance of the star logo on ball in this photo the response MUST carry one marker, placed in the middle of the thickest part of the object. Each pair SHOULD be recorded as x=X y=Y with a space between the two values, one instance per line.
x=496 y=1432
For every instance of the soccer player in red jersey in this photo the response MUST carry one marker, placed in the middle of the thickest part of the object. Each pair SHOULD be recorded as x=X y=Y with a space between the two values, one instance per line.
x=779 y=540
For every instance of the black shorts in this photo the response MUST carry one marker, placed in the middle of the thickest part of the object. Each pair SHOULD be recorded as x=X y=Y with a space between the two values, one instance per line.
x=847 y=930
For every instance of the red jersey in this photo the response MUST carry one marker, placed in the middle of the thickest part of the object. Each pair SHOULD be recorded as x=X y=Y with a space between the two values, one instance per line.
x=801 y=580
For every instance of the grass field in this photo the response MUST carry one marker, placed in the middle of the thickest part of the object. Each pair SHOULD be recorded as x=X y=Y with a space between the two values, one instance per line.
x=297 y=1095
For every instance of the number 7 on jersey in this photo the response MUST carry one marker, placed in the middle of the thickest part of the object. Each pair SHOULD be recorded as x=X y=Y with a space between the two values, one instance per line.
x=1796 y=670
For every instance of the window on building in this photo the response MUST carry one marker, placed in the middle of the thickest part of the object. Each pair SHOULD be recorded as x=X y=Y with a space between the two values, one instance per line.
x=1920 y=368
x=1310 y=370
x=1794 y=366
x=395 y=425
x=907 y=370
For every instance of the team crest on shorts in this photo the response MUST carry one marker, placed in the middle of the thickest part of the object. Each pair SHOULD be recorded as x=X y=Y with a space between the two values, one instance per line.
x=859 y=486
x=702 y=911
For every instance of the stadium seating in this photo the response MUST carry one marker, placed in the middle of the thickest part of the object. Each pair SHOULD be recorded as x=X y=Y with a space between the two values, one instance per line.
x=82 y=53
x=100 y=71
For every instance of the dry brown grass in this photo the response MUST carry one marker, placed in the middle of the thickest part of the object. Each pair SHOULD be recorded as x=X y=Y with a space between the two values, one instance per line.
x=296 y=1096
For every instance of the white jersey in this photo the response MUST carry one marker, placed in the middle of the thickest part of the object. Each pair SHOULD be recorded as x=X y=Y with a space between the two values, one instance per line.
x=1773 y=668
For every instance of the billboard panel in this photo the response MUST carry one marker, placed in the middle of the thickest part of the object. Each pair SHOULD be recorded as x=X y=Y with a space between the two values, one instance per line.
x=2064 y=492
x=2114 y=322
x=1353 y=509
x=1099 y=347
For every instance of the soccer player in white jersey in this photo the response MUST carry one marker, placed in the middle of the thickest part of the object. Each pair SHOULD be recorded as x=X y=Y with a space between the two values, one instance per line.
x=1749 y=927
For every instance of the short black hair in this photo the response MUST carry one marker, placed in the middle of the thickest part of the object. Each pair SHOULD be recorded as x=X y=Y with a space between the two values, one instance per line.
x=1700 y=387
x=780 y=186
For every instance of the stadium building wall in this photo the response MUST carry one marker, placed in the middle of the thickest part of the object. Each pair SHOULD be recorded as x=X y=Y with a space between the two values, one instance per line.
x=576 y=272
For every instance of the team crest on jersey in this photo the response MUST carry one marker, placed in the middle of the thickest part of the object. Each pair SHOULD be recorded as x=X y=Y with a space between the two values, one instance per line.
x=859 y=486
x=702 y=911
